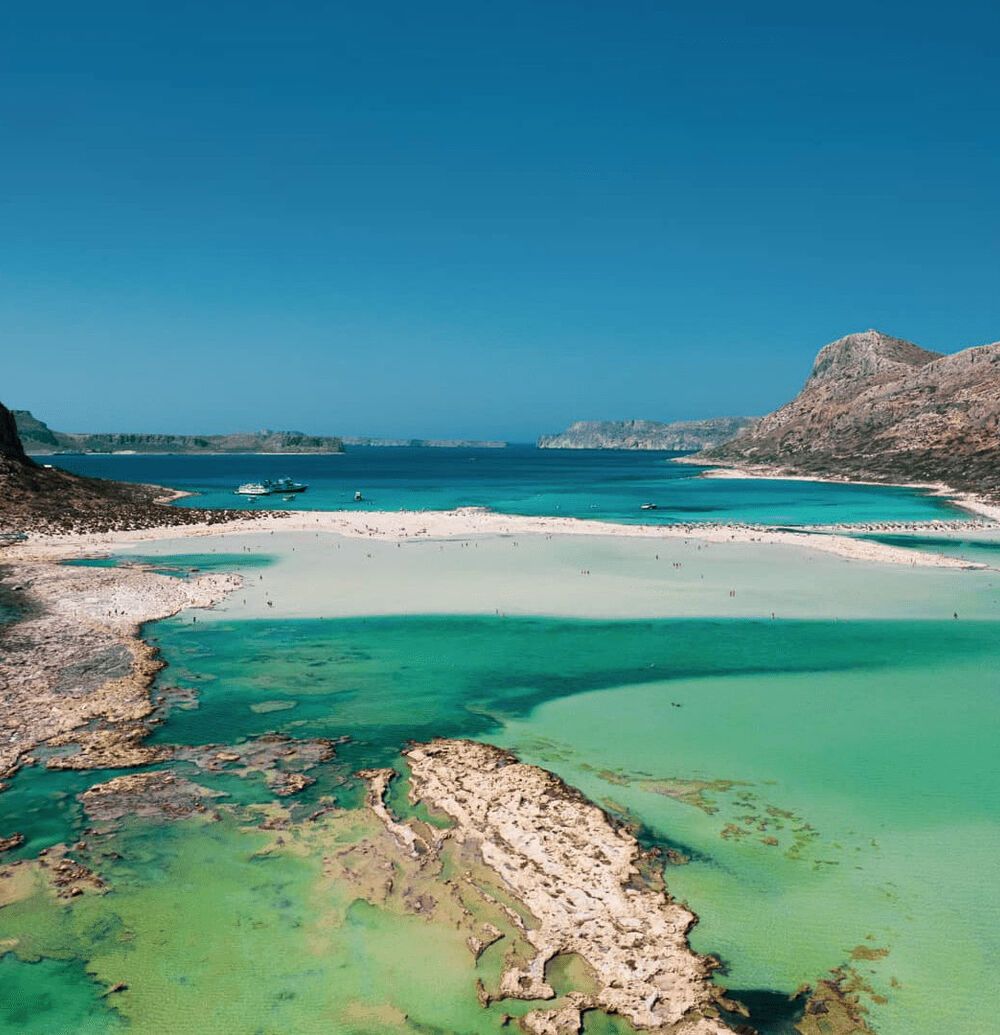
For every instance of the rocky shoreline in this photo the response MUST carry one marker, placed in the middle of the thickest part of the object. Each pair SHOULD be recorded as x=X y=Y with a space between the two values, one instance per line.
x=76 y=673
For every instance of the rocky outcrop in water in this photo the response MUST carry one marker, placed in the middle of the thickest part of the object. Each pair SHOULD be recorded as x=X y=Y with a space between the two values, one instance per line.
x=583 y=881
x=876 y=407
x=646 y=434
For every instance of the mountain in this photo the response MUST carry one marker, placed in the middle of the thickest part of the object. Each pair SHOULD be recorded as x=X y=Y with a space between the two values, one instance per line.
x=38 y=437
x=38 y=498
x=876 y=407
x=645 y=434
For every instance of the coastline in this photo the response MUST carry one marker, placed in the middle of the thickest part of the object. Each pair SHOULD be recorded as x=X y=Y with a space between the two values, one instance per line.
x=76 y=670
x=471 y=521
x=968 y=501
x=118 y=739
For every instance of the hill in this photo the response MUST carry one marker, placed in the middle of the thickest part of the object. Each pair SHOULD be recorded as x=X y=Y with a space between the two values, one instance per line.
x=645 y=434
x=880 y=408
x=39 y=438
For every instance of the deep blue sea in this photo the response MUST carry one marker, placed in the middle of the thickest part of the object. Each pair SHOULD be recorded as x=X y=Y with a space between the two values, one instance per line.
x=605 y=484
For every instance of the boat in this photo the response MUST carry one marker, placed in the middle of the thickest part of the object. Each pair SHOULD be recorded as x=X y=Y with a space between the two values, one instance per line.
x=648 y=506
x=265 y=488
x=358 y=498
x=286 y=485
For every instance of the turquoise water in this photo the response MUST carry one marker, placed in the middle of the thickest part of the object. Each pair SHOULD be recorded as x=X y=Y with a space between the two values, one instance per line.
x=979 y=550
x=863 y=750
x=610 y=485
x=180 y=566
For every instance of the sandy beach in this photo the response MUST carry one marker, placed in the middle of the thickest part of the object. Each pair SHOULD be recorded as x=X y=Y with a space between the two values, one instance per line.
x=424 y=525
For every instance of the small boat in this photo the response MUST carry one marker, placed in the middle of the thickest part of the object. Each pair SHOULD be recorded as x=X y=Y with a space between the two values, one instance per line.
x=358 y=498
x=648 y=506
x=254 y=489
x=288 y=499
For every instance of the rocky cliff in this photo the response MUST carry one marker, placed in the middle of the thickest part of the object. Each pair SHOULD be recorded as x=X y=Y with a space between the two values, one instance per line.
x=38 y=437
x=645 y=434
x=877 y=407
x=11 y=450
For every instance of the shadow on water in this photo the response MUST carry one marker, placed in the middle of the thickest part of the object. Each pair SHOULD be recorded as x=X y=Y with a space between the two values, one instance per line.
x=771 y=1013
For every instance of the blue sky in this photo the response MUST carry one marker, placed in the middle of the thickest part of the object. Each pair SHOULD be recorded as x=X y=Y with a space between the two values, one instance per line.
x=481 y=220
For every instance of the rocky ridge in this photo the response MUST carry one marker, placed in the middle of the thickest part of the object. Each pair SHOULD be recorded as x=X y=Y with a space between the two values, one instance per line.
x=880 y=408
x=646 y=434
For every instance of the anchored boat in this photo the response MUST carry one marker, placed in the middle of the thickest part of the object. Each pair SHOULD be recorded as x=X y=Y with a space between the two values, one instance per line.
x=284 y=486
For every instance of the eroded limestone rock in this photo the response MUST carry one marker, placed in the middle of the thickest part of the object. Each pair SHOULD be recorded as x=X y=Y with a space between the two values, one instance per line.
x=578 y=878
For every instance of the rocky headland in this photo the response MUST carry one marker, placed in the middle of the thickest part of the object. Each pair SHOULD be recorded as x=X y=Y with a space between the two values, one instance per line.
x=882 y=409
x=44 y=499
x=646 y=434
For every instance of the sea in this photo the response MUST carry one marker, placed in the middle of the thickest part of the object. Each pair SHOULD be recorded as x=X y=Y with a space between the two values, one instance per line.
x=610 y=485
x=823 y=794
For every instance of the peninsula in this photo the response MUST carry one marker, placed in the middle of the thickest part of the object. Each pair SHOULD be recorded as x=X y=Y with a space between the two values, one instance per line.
x=681 y=435
x=882 y=409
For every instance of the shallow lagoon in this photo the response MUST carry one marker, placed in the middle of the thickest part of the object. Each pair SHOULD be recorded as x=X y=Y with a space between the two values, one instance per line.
x=864 y=748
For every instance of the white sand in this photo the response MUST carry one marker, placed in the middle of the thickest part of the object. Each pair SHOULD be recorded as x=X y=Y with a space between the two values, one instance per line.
x=334 y=564
x=470 y=521
x=318 y=574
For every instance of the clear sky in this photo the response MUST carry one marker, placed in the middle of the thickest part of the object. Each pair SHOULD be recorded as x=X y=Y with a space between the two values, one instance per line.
x=481 y=219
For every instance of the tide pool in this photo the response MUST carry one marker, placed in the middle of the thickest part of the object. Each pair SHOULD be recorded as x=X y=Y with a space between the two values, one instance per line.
x=831 y=783
x=610 y=485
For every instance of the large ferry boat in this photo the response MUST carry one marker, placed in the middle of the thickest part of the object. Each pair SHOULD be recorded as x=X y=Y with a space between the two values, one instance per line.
x=285 y=486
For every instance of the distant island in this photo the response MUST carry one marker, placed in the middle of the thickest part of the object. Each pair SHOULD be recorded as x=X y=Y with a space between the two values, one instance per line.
x=883 y=409
x=646 y=434
x=39 y=439
x=426 y=443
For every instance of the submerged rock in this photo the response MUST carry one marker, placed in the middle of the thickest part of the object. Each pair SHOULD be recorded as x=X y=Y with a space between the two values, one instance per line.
x=158 y=794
